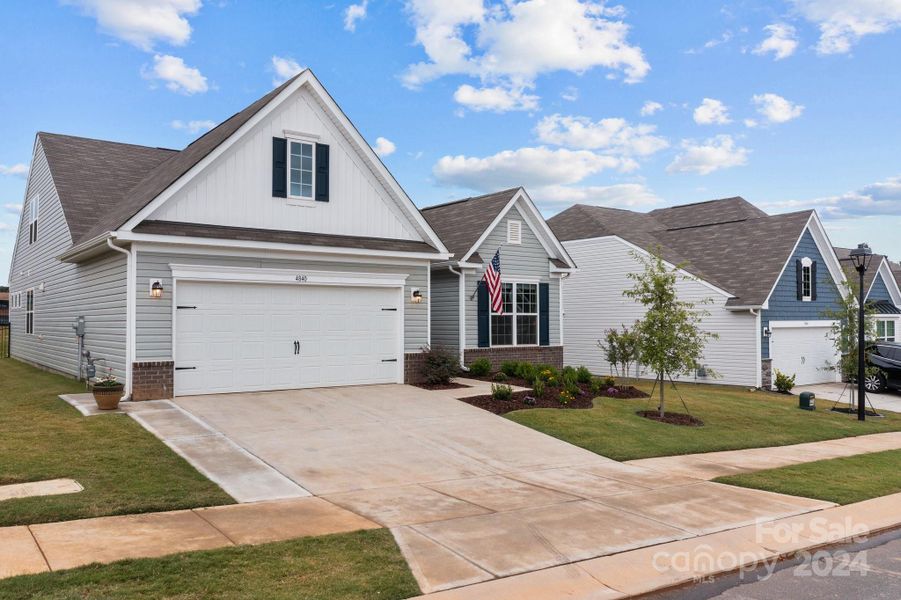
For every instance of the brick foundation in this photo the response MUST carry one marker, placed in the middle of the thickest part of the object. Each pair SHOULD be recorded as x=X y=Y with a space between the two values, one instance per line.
x=546 y=355
x=413 y=362
x=152 y=380
x=766 y=373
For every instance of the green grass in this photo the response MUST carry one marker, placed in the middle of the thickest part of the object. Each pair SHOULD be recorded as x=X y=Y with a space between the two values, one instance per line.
x=351 y=566
x=734 y=418
x=839 y=480
x=123 y=468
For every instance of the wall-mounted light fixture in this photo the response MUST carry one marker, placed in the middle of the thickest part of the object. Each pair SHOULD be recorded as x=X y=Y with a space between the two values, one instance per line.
x=766 y=332
x=156 y=288
x=416 y=296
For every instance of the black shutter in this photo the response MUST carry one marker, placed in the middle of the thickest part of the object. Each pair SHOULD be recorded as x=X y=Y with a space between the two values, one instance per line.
x=799 y=279
x=484 y=315
x=279 y=167
x=321 y=172
x=544 y=322
x=813 y=280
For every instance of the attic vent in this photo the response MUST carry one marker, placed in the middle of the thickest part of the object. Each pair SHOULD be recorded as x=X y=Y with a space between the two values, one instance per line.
x=514 y=232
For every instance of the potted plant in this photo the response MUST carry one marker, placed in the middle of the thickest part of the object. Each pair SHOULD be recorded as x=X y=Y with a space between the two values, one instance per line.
x=108 y=391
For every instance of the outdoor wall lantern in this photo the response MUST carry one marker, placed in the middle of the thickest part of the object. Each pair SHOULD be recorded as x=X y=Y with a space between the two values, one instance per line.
x=416 y=296
x=156 y=289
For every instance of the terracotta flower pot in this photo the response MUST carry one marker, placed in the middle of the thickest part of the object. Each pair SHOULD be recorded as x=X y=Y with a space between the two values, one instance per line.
x=107 y=397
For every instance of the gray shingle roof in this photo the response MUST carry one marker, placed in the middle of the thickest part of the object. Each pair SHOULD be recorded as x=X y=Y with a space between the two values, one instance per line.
x=896 y=271
x=844 y=257
x=460 y=223
x=728 y=243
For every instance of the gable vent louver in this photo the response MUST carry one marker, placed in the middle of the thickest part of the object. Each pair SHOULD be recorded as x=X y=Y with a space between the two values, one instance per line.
x=514 y=232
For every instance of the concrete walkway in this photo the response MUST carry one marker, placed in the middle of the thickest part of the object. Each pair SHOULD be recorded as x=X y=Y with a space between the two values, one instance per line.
x=64 y=545
x=711 y=465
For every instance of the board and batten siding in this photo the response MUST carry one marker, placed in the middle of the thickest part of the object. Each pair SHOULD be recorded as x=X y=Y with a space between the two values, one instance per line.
x=154 y=316
x=784 y=304
x=236 y=188
x=445 y=309
x=95 y=289
x=595 y=303
x=528 y=260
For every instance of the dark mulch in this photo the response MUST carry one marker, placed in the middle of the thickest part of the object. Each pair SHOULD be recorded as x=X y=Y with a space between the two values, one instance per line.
x=517 y=402
x=625 y=392
x=671 y=418
x=441 y=386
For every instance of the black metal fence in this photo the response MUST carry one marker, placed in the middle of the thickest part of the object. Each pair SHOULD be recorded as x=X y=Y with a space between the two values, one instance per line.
x=4 y=341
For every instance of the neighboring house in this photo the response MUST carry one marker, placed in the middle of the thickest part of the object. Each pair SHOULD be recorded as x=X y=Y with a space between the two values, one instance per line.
x=769 y=279
x=533 y=262
x=4 y=307
x=275 y=251
x=881 y=293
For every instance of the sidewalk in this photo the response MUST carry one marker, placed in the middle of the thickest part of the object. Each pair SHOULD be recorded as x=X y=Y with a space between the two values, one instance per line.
x=711 y=465
x=676 y=563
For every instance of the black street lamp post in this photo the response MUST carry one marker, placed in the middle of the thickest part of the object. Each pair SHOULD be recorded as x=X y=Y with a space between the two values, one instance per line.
x=861 y=256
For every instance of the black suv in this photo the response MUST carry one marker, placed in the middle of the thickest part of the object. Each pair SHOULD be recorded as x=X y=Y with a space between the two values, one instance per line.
x=886 y=356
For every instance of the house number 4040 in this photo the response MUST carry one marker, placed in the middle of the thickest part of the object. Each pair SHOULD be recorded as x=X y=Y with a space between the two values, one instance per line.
x=300 y=278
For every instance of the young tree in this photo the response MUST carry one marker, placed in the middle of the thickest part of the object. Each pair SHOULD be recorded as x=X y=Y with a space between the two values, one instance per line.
x=844 y=332
x=620 y=349
x=670 y=338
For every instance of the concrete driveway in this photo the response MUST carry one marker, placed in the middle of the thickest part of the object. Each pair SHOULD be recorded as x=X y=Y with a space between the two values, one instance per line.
x=469 y=496
x=830 y=393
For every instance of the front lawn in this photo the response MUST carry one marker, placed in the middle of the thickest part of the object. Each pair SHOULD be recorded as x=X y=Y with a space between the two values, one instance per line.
x=351 y=566
x=840 y=480
x=123 y=468
x=734 y=418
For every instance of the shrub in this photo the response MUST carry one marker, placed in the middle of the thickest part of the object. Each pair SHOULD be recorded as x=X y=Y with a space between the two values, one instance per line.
x=568 y=372
x=552 y=381
x=784 y=383
x=500 y=376
x=597 y=386
x=583 y=375
x=526 y=371
x=500 y=391
x=509 y=368
x=547 y=373
x=570 y=387
x=565 y=397
x=439 y=365
x=609 y=382
x=480 y=367
x=538 y=387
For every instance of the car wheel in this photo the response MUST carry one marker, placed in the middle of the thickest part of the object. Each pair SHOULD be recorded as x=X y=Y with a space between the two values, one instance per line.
x=875 y=383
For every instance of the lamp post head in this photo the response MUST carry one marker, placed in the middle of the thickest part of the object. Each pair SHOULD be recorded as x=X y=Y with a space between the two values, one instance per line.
x=861 y=257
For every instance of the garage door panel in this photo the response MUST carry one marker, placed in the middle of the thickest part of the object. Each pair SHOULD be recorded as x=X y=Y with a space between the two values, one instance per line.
x=806 y=352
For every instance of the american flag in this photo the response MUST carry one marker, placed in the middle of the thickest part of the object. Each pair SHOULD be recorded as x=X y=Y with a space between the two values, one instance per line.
x=492 y=279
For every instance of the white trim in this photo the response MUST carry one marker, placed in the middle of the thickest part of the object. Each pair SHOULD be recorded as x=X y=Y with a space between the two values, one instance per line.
x=34 y=213
x=302 y=135
x=807 y=263
x=286 y=276
x=797 y=324
x=514 y=314
x=887 y=319
x=301 y=200
x=33 y=304
x=560 y=304
x=428 y=307
x=759 y=344
x=888 y=278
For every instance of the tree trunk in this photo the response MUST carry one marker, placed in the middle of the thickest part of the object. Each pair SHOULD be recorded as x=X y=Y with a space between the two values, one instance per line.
x=662 y=411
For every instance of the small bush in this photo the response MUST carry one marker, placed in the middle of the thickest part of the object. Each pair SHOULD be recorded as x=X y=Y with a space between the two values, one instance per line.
x=583 y=375
x=500 y=391
x=609 y=382
x=784 y=383
x=500 y=376
x=570 y=387
x=509 y=368
x=565 y=397
x=597 y=386
x=440 y=365
x=546 y=373
x=538 y=387
x=480 y=367
x=526 y=371
x=568 y=372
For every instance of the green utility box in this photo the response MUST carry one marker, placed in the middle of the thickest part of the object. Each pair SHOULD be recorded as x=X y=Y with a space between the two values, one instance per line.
x=808 y=401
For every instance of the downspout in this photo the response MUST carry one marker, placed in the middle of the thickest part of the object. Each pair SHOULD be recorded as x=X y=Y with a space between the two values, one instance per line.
x=759 y=337
x=129 y=301
x=461 y=319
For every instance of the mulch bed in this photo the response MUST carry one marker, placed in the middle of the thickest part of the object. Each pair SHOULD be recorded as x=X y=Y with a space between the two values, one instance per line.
x=625 y=392
x=671 y=418
x=441 y=386
x=517 y=402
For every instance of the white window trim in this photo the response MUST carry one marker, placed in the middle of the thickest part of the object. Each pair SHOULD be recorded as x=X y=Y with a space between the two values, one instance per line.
x=27 y=312
x=300 y=139
x=34 y=205
x=514 y=314
x=886 y=338
x=518 y=225
x=807 y=267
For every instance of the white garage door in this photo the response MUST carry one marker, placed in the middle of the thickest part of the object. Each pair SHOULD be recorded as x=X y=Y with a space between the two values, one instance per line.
x=235 y=337
x=804 y=351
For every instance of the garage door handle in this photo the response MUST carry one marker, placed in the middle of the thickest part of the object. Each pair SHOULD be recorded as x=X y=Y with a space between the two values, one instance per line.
x=185 y=368
x=296 y=347
x=182 y=307
x=389 y=360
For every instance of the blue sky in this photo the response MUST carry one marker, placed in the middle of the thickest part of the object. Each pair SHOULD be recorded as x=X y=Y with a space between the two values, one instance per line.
x=791 y=104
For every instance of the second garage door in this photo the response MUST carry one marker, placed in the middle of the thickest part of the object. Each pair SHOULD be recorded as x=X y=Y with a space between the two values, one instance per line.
x=235 y=337
x=804 y=351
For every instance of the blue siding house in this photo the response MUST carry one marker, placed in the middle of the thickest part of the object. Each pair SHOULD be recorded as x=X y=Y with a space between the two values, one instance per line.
x=882 y=294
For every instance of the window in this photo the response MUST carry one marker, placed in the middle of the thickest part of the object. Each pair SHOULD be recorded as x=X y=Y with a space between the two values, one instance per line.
x=300 y=170
x=806 y=279
x=514 y=232
x=29 y=311
x=885 y=330
x=518 y=325
x=33 y=223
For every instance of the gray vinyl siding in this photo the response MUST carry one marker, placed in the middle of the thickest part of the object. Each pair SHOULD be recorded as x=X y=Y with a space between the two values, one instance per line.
x=528 y=259
x=445 y=309
x=153 y=323
x=95 y=289
x=879 y=291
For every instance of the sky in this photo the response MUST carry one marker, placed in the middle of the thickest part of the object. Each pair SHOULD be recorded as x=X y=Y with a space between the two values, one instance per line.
x=791 y=104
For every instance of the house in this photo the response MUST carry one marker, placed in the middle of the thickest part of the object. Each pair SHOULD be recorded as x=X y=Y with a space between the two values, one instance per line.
x=881 y=293
x=533 y=263
x=4 y=307
x=769 y=280
x=275 y=251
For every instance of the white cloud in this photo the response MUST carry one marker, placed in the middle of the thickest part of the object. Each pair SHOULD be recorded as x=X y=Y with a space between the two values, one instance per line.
x=782 y=41
x=193 y=126
x=650 y=107
x=775 y=108
x=285 y=68
x=842 y=23
x=354 y=13
x=616 y=135
x=13 y=207
x=18 y=170
x=711 y=112
x=719 y=152
x=143 y=22
x=622 y=195
x=512 y=43
x=570 y=94
x=5 y=226
x=880 y=198
x=384 y=146
x=497 y=99
x=178 y=76
x=530 y=167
